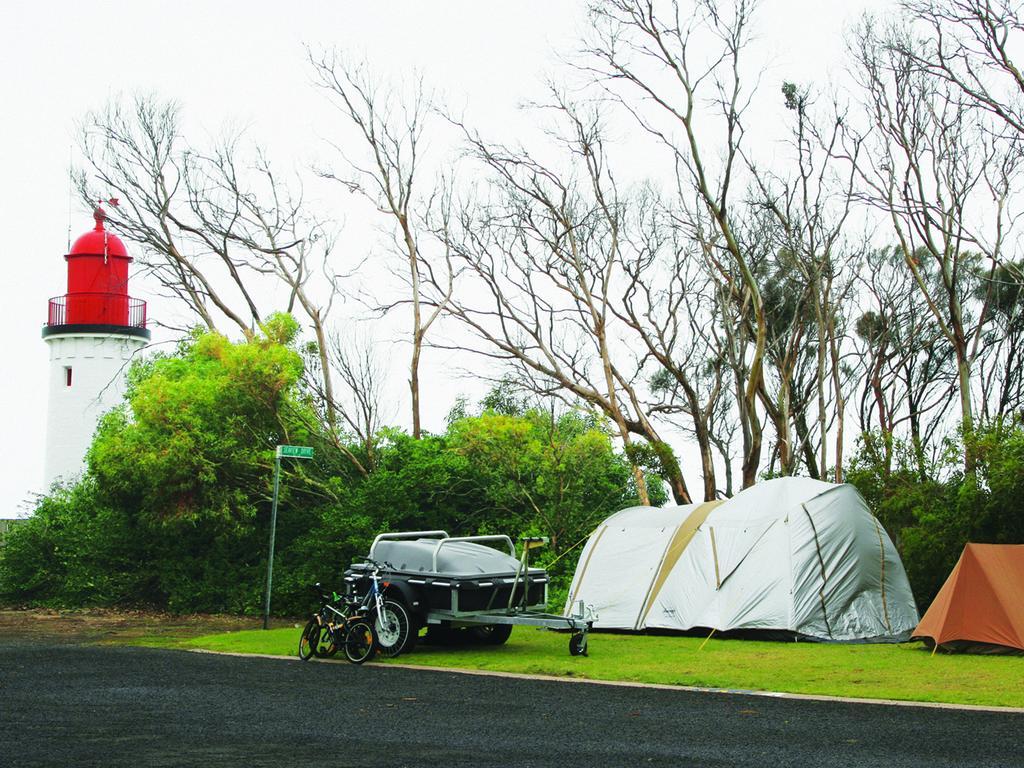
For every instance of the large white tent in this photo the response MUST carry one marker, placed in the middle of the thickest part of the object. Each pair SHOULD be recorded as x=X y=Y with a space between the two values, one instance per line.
x=792 y=554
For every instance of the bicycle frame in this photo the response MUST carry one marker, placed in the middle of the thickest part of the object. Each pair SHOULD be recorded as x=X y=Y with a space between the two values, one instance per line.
x=378 y=593
x=374 y=597
x=373 y=604
x=324 y=618
x=324 y=621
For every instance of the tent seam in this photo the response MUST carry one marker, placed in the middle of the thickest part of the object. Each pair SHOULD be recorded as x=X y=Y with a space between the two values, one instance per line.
x=881 y=551
x=704 y=509
x=654 y=578
x=821 y=564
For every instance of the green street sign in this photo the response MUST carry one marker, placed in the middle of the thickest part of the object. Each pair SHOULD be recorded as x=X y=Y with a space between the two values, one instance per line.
x=282 y=452
x=294 y=452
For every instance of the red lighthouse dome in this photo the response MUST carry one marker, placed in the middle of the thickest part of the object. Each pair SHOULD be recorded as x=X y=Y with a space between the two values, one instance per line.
x=97 y=296
x=99 y=241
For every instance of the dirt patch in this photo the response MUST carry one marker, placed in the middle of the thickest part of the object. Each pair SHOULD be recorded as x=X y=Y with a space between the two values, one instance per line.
x=114 y=626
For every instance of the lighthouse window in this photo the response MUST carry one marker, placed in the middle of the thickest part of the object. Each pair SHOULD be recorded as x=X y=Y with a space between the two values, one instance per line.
x=67 y=375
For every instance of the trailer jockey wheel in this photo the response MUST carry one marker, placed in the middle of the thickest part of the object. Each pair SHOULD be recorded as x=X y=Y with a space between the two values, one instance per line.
x=578 y=644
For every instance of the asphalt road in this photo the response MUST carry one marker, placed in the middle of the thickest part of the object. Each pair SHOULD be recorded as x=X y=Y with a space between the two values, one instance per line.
x=69 y=705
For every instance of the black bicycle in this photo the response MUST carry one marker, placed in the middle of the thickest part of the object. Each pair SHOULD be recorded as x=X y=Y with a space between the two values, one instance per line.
x=322 y=635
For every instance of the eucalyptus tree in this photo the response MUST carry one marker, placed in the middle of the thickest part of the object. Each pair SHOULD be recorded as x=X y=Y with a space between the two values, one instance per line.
x=541 y=251
x=652 y=59
x=1001 y=379
x=933 y=165
x=906 y=369
x=805 y=209
x=390 y=127
x=974 y=47
x=669 y=304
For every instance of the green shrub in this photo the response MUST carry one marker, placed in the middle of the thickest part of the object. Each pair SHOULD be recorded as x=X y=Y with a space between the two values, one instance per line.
x=75 y=550
x=932 y=510
x=174 y=510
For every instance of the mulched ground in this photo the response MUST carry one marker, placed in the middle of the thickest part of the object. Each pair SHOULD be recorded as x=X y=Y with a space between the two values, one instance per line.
x=117 y=626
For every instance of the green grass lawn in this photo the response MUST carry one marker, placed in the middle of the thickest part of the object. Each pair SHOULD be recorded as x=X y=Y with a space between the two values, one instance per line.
x=907 y=671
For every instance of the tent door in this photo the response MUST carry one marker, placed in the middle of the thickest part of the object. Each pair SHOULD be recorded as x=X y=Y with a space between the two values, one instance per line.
x=731 y=545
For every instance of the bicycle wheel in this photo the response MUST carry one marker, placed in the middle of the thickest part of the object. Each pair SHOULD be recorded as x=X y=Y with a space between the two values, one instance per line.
x=327 y=643
x=394 y=630
x=360 y=642
x=309 y=639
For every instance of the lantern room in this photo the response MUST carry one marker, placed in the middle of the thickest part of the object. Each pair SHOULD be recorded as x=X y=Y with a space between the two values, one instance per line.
x=97 y=292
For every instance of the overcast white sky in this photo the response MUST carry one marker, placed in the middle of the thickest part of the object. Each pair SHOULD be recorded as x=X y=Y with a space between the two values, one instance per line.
x=243 y=63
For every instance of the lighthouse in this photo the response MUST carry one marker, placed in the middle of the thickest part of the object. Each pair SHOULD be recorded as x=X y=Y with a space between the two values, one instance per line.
x=93 y=332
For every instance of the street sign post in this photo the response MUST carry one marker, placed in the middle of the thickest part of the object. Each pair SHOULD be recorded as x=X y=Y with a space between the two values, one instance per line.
x=282 y=452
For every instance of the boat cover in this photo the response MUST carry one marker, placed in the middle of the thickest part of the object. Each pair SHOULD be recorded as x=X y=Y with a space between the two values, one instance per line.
x=456 y=558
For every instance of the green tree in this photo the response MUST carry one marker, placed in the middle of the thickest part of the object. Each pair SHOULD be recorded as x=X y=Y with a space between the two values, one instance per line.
x=540 y=474
x=76 y=549
x=931 y=512
x=194 y=438
x=174 y=509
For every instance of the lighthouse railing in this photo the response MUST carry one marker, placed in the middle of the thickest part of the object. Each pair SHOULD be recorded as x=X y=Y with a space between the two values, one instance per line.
x=97 y=309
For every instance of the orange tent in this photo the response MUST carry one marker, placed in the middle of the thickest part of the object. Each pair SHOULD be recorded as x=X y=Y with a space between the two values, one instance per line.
x=981 y=606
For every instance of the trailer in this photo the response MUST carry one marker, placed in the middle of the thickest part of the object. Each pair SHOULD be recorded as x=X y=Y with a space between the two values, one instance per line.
x=462 y=583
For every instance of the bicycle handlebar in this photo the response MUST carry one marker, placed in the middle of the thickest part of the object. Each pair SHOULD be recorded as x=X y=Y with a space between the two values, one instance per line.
x=334 y=597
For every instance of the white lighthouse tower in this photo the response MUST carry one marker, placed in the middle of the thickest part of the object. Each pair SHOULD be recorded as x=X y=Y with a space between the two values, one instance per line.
x=92 y=332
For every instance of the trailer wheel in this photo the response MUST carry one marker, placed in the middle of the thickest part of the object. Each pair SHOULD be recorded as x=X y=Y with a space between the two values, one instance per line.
x=414 y=636
x=578 y=644
x=491 y=634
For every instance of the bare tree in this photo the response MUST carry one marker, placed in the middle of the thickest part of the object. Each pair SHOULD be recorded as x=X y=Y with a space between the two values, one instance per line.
x=220 y=230
x=136 y=151
x=251 y=209
x=1002 y=367
x=668 y=302
x=542 y=257
x=391 y=132
x=970 y=45
x=807 y=209
x=647 y=49
x=907 y=370
x=933 y=167
x=973 y=46
x=363 y=376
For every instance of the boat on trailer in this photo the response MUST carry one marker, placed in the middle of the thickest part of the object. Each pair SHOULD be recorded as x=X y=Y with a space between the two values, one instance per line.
x=470 y=582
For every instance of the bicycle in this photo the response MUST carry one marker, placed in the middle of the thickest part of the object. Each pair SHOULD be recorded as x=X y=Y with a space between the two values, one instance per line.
x=361 y=626
x=333 y=627
x=394 y=630
x=318 y=636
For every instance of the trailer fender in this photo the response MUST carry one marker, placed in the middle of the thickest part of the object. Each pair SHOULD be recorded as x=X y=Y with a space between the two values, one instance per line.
x=410 y=597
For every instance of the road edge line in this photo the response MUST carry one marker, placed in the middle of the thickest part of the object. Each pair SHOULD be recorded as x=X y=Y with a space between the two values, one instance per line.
x=653 y=686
